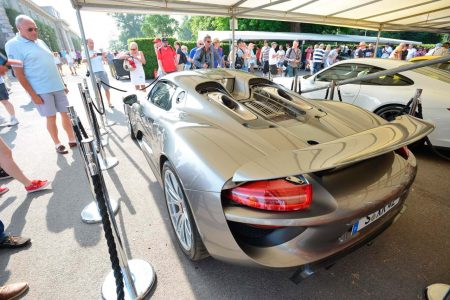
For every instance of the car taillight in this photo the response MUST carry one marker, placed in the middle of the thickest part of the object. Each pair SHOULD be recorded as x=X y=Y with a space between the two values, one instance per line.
x=290 y=194
x=403 y=152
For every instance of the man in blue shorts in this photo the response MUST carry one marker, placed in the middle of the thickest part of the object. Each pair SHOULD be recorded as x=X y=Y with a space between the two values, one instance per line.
x=40 y=78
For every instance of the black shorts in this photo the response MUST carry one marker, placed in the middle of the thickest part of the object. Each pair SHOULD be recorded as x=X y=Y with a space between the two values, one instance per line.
x=4 y=95
x=266 y=67
x=273 y=69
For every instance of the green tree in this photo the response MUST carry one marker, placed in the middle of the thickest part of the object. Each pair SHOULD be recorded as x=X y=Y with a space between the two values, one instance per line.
x=184 y=32
x=76 y=44
x=129 y=26
x=197 y=24
x=161 y=25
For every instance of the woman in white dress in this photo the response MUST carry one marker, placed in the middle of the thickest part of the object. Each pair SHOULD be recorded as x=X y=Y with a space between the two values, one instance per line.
x=137 y=76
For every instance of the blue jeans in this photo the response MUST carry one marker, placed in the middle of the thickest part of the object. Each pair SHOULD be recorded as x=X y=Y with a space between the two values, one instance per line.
x=2 y=232
x=316 y=67
x=291 y=72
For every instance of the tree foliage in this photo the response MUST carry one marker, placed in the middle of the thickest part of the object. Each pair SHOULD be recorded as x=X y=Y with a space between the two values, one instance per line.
x=197 y=24
x=129 y=26
x=184 y=31
x=159 y=25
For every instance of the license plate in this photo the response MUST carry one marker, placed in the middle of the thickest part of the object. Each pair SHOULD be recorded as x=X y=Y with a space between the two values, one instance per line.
x=367 y=220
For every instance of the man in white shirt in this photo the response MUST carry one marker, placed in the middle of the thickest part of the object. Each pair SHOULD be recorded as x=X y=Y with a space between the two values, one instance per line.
x=411 y=52
x=97 y=58
x=273 y=59
x=386 y=51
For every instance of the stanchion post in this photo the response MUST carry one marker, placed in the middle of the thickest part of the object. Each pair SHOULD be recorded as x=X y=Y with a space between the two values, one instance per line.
x=103 y=117
x=332 y=87
x=415 y=102
x=138 y=275
x=106 y=162
x=102 y=127
x=90 y=213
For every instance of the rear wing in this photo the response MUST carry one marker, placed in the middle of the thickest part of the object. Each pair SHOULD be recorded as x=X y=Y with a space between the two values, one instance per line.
x=404 y=130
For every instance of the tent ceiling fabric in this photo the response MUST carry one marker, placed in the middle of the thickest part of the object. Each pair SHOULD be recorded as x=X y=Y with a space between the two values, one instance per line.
x=397 y=15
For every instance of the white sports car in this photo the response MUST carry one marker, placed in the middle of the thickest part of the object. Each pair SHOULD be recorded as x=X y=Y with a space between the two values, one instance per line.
x=387 y=95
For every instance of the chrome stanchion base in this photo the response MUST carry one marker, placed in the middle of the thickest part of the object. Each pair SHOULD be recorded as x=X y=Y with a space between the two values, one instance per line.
x=91 y=215
x=110 y=123
x=143 y=277
x=107 y=162
x=103 y=131
x=104 y=142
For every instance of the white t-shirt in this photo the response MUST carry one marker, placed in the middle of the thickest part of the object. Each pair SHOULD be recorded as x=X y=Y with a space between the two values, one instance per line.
x=281 y=54
x=96 y=62
x=57 y=60
x=411 y=53
x=272 y=60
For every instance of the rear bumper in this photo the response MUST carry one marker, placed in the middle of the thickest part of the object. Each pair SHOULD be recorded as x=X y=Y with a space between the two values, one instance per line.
x=301 y=241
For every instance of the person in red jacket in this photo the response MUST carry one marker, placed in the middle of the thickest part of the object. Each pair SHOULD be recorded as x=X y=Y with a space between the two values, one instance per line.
x=166 y=57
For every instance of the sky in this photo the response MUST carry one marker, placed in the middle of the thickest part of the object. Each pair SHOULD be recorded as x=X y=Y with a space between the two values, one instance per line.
x=97 y=25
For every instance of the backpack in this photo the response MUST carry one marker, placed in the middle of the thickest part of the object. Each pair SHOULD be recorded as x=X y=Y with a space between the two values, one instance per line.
x=239 y=61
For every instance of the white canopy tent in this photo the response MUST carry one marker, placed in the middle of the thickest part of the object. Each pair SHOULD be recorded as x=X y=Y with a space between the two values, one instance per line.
x=290 y=36
x=388 y=15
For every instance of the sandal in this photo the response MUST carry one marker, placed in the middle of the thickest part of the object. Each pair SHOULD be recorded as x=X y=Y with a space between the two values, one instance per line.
x=73 y=144
x=61 y=149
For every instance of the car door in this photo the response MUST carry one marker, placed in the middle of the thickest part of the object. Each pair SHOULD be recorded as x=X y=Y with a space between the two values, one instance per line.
x=384 y=90
x=338 y=72
x=158 y=103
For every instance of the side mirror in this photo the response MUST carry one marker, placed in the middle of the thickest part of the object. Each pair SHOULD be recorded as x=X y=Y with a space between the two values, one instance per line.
x=130 y=99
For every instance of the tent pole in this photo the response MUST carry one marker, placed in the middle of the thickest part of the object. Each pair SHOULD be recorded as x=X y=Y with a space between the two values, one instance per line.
x=378 y=40
x=86 y=53
x=233 y=36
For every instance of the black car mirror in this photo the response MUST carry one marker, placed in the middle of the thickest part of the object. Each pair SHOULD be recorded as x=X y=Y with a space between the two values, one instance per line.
x=130 y=99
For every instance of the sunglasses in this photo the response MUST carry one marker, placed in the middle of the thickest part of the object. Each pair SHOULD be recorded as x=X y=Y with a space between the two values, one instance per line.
x=31 y=29
x=132 y=49
x=201 y=44
x=208 y=42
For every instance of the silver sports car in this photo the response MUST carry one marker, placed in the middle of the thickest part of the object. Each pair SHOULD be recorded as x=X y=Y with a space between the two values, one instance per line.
x=255 y=174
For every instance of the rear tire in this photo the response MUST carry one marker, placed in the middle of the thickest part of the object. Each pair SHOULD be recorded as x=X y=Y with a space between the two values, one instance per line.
x=183 y=223
x=390 y=112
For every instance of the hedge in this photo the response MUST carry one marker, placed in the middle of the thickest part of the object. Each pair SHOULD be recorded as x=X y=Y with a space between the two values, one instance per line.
x=146 y=46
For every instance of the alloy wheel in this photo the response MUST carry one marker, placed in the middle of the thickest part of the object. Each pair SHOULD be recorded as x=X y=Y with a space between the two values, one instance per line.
x=178 y=212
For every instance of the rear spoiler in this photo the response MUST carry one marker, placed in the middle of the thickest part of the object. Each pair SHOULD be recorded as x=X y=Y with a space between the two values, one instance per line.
x=404 y=130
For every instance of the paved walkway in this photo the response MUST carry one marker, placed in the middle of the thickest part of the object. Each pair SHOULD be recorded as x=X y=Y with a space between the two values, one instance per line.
x=69 y=260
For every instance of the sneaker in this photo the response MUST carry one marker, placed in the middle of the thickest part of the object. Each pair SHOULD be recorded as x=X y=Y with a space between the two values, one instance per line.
x=12 y=241
x=36 y=185
x=4 y=175
x=61 y=149
x=13 y=121
x=3 y=189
